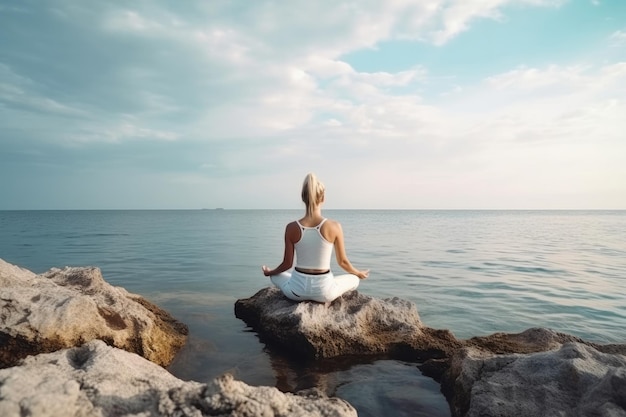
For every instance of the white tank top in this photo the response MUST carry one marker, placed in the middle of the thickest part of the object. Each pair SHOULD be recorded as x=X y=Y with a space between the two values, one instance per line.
x=312 y=250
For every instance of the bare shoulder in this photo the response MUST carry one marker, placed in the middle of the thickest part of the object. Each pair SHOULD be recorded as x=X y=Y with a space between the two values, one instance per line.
x=292 y=230
x=331 y=229
x=332 y=224
x=291 y=227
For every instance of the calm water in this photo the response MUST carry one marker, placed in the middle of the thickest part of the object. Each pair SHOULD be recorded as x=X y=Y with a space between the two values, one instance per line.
x=473 y=272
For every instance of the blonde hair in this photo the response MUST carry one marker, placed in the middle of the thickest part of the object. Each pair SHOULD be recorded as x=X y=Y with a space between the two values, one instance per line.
x=312 y=193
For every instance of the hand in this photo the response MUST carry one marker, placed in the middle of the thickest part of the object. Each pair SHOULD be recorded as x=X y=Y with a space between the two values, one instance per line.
x=363 y=274
x=266 y=270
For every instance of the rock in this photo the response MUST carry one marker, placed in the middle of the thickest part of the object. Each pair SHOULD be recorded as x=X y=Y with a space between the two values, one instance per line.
x=574 y=380
x=536 y=339
x=353 y=324
x=67 y=307
x=99 y=380
x=537 y=372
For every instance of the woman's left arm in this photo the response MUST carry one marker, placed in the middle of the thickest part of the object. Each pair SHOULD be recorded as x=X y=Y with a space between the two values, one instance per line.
x=336 y=236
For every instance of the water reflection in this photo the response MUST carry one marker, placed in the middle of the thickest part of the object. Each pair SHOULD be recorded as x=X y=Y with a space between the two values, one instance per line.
x=374 y=385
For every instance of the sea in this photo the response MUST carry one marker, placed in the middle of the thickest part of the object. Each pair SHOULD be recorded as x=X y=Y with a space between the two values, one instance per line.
x=472 y=272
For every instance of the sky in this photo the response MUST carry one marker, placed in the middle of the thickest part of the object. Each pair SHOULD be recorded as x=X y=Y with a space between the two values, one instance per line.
x=395 y=104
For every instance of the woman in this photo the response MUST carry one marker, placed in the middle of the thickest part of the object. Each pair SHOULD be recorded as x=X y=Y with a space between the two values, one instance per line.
x=312 y=239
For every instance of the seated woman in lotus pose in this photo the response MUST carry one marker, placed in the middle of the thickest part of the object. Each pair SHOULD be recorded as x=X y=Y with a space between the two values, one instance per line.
x=312 y=239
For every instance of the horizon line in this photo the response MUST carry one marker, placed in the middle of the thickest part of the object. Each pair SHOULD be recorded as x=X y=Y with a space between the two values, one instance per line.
x=326 y=209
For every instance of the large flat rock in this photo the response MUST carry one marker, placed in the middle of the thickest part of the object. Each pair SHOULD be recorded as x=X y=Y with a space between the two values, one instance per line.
x=67 y=307
x=98 y=380
x=354 y=324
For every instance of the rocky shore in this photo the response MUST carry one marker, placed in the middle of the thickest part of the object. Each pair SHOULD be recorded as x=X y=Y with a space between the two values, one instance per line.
x=73 y=345
x=538 y=372
x=98 y=380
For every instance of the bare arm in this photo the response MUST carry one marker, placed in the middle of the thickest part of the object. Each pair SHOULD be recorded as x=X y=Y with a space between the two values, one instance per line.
x=336 y=234
x=287 y=256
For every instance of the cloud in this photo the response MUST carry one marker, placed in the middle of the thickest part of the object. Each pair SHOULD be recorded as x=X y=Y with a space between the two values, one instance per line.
x=588 y=99
x=208 y=91
x=220 y=70
x=124 y=131
x=618 y=38
x=20 y=93
x=456 y=16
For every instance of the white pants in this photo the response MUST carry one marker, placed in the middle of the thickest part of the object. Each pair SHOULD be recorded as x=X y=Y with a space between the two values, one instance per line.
x=321 y=288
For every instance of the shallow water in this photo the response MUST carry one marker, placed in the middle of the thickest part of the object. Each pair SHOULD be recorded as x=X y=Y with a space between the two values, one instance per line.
x=473 y=272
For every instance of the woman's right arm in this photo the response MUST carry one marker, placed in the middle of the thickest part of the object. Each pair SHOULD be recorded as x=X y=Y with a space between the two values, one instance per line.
x=340 y=252
x=288 y=255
